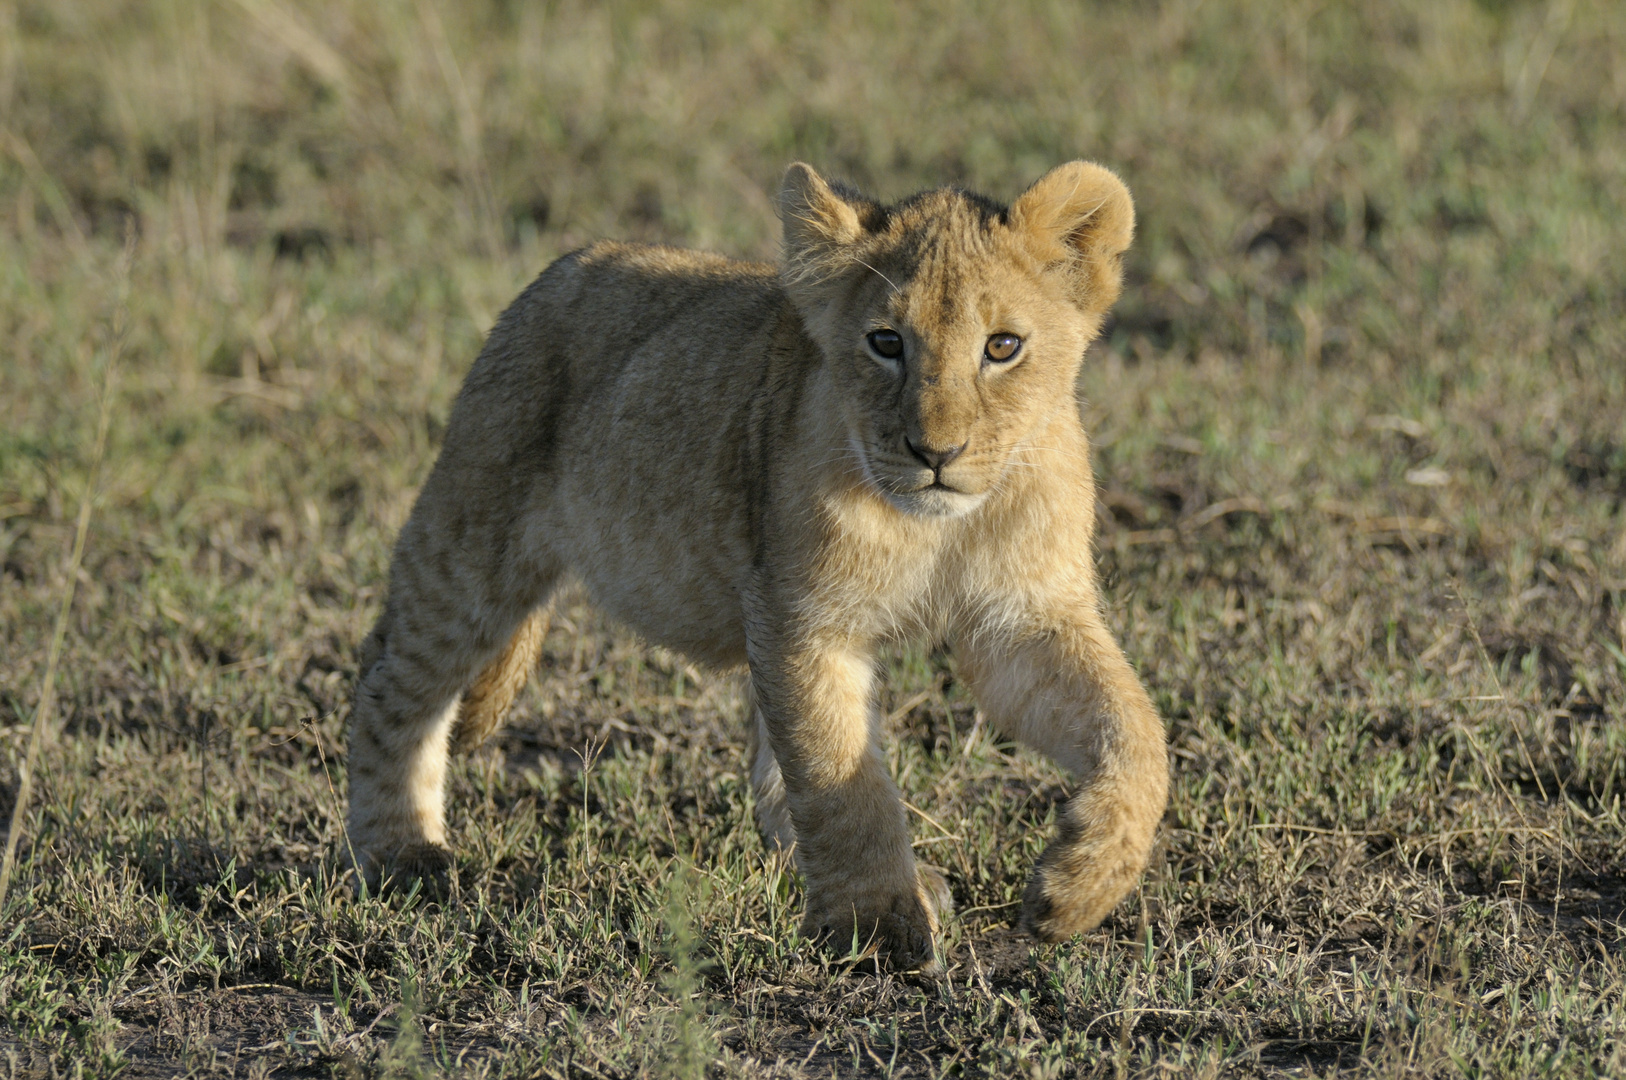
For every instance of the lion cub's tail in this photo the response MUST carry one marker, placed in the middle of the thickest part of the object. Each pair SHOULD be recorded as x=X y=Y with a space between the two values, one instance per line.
x=485 y=702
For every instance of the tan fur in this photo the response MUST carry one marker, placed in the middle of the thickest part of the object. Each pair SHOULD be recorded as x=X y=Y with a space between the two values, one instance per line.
x=713 y=448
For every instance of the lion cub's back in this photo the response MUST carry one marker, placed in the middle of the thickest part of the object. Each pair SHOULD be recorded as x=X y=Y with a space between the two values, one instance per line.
x=624 y=378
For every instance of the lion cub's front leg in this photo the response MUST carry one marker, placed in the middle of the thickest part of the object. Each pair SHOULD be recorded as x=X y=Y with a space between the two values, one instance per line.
x=1063 y=687
x=851 y=837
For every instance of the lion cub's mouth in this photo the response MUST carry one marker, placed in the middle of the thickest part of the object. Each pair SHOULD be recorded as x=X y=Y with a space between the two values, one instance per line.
x=914 y=490
x=910 y=479
x=936 y=499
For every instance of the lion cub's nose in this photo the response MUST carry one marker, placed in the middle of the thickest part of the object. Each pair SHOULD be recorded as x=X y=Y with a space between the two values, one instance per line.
x=935 y=460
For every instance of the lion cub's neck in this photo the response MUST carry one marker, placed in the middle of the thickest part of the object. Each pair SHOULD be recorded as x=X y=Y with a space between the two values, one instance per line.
x=877 y=571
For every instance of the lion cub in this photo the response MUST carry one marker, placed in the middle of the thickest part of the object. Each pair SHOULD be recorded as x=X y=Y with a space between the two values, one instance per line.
x=790 y=468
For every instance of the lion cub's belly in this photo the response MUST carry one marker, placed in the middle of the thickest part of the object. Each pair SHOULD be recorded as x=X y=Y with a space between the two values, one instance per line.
x=660 y=554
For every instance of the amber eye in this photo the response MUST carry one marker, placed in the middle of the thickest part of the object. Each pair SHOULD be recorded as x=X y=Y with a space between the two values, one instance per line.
x=886 y=343
x=1002 y=348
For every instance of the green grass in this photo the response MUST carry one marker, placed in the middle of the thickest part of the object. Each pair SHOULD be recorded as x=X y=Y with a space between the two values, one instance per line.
x=1360 y=428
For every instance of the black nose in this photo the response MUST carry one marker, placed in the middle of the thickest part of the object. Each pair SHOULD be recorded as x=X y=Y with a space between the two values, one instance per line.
x=934 y=460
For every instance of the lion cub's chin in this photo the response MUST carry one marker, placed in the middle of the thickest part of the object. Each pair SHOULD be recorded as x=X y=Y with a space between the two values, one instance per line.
x=936 y=501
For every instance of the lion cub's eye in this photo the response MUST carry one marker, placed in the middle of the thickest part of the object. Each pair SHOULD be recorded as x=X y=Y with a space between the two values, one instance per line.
x=886 y=343
x=1002 y=348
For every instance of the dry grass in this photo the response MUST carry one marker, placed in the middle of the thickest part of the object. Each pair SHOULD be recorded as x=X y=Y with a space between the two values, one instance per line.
x=1359 y=425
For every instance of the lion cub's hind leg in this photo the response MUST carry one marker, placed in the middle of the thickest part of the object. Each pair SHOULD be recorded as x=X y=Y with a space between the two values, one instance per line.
x=444 y=625
x=486 y=702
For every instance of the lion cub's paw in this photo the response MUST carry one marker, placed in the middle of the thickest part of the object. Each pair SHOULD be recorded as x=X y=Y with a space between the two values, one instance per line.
x=1059 y=904
x=899 y=930
x=425 y=864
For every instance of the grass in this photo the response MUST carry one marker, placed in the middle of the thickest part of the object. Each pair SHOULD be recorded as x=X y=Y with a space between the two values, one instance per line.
x=1359 y=430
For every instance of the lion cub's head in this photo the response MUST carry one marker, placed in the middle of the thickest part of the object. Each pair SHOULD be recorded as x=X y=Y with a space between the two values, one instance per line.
x=955 y=326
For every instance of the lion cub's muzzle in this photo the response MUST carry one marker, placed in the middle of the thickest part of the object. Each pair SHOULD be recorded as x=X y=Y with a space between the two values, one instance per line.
x=928 y=480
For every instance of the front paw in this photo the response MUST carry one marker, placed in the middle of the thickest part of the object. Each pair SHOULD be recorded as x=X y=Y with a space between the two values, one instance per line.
x=899 y=926
x=1071 y=891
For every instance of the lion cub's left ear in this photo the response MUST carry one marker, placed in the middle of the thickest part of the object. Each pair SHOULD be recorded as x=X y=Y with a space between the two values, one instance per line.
x=1080 y=216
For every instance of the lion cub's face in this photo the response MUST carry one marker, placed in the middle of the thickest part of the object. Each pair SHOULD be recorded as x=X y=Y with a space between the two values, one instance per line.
x=955 y=326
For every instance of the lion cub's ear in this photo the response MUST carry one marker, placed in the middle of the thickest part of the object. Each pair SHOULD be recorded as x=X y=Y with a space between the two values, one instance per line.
x=822 y=222
x=1079 y=215
x=816 y=218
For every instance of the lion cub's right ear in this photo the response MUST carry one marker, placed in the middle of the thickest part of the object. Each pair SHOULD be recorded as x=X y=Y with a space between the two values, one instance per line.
x=822 y=224
x=819 y=222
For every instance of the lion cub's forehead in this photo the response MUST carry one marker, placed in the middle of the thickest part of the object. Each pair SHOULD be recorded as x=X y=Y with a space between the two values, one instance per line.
x=937 y=223
x=948 y=250
x=949 y=205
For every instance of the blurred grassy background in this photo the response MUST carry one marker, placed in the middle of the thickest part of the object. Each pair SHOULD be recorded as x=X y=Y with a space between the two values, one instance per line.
x=1360 y=423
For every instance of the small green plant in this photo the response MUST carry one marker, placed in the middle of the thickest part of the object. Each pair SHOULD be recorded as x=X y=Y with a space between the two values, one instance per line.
x=406 y=1056
x=690 y=1045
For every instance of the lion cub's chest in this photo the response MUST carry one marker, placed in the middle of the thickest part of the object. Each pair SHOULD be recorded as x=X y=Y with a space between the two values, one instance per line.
x=873 y=573
x=847 y=565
